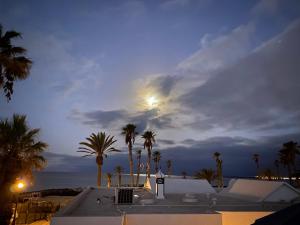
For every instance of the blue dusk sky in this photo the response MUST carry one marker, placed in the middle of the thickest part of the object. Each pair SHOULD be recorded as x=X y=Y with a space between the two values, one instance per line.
x=220 y=76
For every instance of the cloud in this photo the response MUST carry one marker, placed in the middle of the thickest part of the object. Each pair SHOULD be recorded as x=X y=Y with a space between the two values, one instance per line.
x=115 y=119
x=260 y=91
x=174 y=4
x=218 y=53
x=163 y=84
x=166 y=141
x=54 y=54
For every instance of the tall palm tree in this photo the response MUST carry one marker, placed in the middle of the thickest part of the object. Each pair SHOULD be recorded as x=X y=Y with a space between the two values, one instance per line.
x=148 y=137
x=207 y=174
x=108 y=176
x=138 y=156
x=255 y=158
x=13 y=63
x=276 y=163
x=287 y=156
x=99 y=145
x=219 y=174
x=183 y=173
x=129 y=132
x=156 y=156
x=20 y=155
x=169 y=167
x=119 y=171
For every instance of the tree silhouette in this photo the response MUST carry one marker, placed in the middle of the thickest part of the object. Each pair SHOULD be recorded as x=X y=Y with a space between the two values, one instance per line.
x=149 y=139
x=156 y=156
x=119 y=170
x=20 y=155
x=99 y=145
x=130 y=133
x=13 y=63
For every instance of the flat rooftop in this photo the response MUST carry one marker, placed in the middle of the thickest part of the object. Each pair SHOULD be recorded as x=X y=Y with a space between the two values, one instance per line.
x=146 y=203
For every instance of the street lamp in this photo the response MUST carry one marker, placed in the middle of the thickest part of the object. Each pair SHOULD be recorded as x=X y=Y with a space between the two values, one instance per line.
x=16 y=188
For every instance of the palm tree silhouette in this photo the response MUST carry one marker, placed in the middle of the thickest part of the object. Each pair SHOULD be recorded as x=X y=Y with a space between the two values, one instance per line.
x=148 y=137
x=20 y=155
x=13 y=63
x=276 y=163
x=219 y=174
x=138 y=156
x=130 y=133
x=156 y=156
x=108 y=176
x=119 y=171
x=287 y=156
x=99 y=145
x=207 y=174
x=169 y=167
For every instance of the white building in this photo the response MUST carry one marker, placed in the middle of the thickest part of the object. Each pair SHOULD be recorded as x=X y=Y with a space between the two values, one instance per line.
x=261 y=190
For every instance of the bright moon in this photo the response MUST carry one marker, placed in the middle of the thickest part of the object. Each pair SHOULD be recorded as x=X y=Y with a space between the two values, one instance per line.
x=152 y=101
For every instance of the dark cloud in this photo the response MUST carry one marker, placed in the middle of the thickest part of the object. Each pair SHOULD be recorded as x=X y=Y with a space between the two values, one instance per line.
x=149 y=119
x=260 y=92
x=164 y=84
x=166 y=141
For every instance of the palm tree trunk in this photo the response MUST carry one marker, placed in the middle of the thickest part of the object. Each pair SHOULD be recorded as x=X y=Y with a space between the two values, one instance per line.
x=138 y=172
x=149 y=163
x=119 y=183
x=290 y=173
x=99 y=175
x=130 y=163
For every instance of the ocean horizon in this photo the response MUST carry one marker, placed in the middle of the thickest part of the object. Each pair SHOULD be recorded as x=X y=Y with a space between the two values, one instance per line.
x=53 y=180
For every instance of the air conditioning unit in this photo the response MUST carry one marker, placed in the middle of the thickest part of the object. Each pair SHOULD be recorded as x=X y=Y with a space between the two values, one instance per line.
x=123 y=196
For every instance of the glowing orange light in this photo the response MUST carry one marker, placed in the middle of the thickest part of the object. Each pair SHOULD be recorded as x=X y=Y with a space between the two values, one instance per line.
x=20 y=185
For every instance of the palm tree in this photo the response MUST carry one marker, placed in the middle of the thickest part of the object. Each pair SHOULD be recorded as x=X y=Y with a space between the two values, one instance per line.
x=276 y=163
x=13 y=63
x=207 y=174
x=287 y=156
x=183 y=173
x=255 y=158
x=148 y=142
x=119 y=171
x=20 y=155
x=156 y=156
x=138 y=156
x=130 y=133
x=99 y=145
x=169 y=167
x=109 y=176
x=219 y=174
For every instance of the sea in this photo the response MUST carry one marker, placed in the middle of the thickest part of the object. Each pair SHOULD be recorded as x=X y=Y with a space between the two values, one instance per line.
x=58 y=180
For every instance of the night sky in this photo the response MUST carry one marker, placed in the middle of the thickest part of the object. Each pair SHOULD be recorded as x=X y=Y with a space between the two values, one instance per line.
x=220 y=76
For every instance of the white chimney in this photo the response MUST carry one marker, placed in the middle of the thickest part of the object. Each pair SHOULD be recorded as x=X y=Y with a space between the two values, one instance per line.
x=160 y=185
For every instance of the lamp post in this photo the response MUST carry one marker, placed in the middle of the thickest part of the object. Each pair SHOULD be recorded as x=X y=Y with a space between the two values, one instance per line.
x=17 y=188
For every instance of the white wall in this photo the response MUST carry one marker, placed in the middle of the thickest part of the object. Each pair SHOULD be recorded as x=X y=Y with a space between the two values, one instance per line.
x=283 y=193
x=272 y=190
x=182 y=186
x=173 y=219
